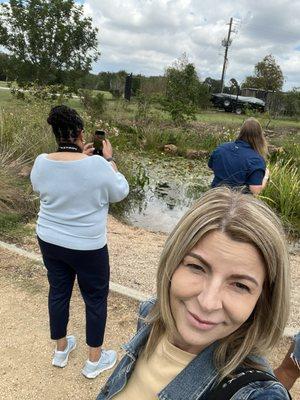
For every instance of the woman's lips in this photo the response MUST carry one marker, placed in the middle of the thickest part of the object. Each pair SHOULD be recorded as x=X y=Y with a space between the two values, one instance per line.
x=199 y=323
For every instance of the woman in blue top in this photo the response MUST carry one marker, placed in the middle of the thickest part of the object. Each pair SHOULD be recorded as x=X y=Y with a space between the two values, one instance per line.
x=75 y=188
x=242 y=163
x=222 y=304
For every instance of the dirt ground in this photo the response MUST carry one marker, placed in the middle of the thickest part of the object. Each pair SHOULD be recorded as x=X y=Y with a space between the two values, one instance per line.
x=26 y=350
x=25 y=369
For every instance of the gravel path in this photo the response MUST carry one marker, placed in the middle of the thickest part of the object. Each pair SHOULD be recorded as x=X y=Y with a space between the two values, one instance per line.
x=25 y=369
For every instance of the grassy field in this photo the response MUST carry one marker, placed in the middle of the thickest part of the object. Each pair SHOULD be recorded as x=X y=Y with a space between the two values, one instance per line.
x=3 y=84
x=121 y=109
x=5 y=98
x=233 y=119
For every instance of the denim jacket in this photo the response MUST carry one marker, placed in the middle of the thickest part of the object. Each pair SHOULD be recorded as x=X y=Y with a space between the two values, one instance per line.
x=192 y=382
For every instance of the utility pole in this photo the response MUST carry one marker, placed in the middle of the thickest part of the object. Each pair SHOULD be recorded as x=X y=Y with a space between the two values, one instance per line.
x=226 y=43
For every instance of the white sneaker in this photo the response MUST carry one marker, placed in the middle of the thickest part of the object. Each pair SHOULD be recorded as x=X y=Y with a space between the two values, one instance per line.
x=107 y=360
x=60 y=358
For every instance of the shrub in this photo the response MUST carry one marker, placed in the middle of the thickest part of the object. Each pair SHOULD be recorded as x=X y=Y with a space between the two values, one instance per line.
x=94 y=104
x=30 y=92
x=182 y=91
x=292 y=103
x=143 y=107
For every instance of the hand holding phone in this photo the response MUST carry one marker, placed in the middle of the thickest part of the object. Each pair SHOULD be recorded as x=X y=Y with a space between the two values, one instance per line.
x=99 y=136
x=107 y=149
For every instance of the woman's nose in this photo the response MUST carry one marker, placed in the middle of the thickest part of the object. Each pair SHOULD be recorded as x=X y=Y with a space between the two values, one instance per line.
x=210 y=297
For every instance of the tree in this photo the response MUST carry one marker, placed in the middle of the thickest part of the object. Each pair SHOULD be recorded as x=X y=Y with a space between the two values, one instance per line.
x=4 y=66
x=117 y=83
x=153 y=85
x=267 y=75
x=214 y=85
x=183 y=90
x=291 y=103
x=47 y=38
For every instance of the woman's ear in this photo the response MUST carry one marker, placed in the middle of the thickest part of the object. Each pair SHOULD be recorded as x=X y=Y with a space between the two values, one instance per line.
x=80 y=136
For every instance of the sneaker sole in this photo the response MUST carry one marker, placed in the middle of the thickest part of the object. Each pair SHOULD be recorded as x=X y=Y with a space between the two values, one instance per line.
x=65 y=362
x=93 y=375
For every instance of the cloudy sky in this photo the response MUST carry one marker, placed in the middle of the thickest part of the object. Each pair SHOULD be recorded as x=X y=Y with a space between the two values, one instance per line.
x=145 y=36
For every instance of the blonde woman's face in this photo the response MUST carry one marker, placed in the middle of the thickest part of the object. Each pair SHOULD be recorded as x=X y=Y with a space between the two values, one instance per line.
x=214 y=290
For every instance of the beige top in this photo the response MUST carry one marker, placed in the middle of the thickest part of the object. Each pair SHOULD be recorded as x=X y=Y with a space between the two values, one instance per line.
x=151 y=376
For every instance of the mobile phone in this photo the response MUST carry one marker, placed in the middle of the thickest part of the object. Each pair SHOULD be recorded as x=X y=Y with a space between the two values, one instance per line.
x=99 y=136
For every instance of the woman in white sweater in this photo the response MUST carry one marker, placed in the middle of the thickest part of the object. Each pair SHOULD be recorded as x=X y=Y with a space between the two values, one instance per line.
x=75 y=188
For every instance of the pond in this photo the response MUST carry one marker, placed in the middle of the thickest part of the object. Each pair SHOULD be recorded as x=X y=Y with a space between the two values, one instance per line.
x=162 y=190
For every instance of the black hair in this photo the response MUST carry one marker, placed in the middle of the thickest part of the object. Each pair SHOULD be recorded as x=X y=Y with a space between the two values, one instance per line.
x=66 y=123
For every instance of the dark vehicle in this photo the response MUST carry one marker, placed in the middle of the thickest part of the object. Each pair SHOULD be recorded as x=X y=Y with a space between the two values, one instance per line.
x=237 y=104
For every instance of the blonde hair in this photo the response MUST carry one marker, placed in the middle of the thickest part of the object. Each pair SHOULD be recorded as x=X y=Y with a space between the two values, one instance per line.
x=246 y=219
x=251 y=132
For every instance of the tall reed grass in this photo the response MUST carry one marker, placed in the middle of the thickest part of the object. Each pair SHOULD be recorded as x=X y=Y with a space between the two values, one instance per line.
x=283 y=192
x=24 y=130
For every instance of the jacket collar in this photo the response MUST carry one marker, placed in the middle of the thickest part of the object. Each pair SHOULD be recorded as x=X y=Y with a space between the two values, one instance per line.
x=138 y=341
x=195 y=379
x=243 y=143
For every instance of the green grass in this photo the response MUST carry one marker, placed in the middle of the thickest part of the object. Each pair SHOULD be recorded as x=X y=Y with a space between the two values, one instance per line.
x=5 y=98
x=75 y=103
x=107 y=95
x=13 y=226
x=224 y=118
x=282 y=193
x=3 y=84
x=119 y=109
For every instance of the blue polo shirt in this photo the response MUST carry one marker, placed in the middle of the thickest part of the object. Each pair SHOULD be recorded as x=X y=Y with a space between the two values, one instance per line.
x=236 y=164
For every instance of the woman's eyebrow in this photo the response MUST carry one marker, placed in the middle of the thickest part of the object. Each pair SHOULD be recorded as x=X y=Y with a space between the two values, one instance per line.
x=200 y=258
x=234 y=276
x=242 y=276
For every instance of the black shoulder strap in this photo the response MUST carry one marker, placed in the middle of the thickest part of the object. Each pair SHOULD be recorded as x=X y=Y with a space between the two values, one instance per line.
x=226 y=390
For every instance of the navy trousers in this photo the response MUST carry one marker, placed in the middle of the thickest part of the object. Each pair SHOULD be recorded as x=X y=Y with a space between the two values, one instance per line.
x=92 y=270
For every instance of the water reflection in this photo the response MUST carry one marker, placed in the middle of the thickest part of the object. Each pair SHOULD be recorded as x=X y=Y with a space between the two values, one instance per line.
x=172 y=186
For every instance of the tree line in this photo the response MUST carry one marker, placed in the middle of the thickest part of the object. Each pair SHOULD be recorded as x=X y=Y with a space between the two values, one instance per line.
x=52 y=42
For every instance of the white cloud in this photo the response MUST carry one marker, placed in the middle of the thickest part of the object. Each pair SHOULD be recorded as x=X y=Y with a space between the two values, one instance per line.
x=145 y=36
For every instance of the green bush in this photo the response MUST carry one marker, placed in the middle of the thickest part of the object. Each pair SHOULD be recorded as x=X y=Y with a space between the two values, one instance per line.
x=94 y=104
x=291 y=102
x=184 y=91
x=32 y=92
x=143 y=111
x=282 y=192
